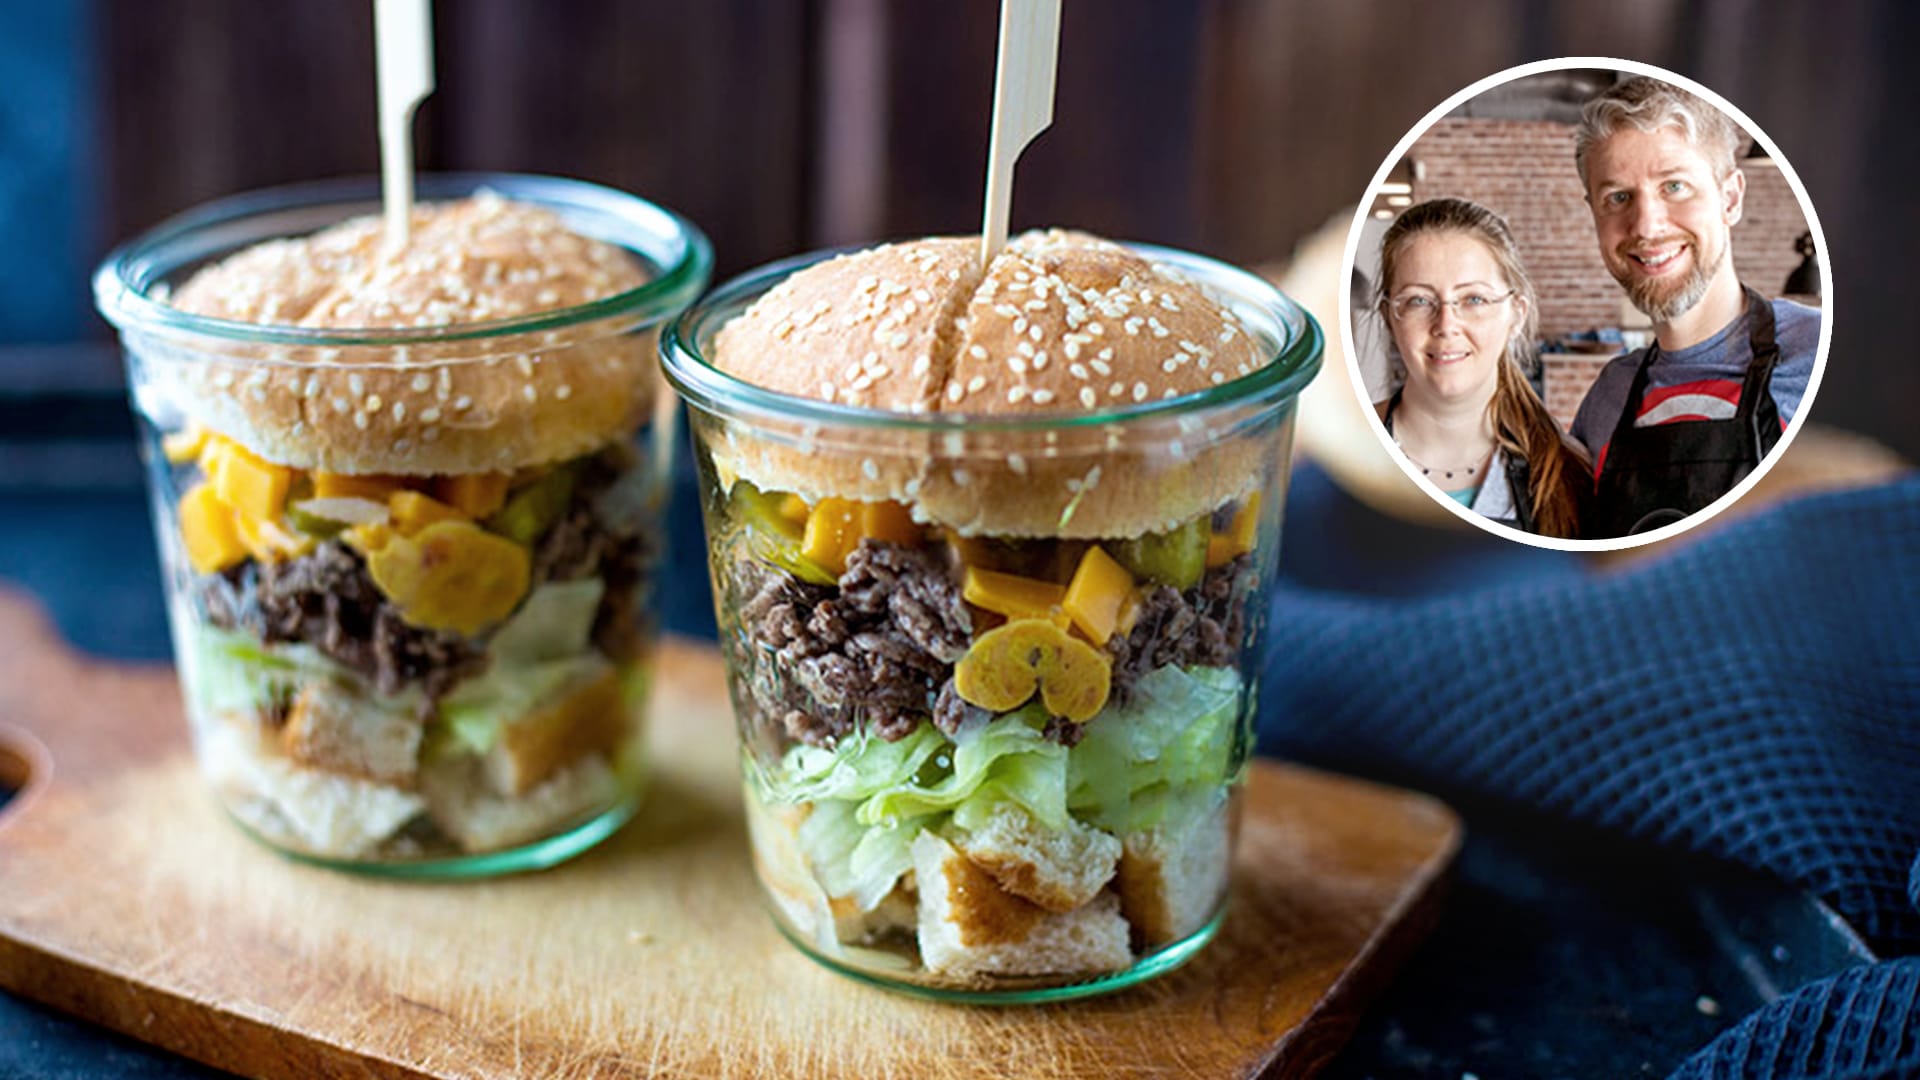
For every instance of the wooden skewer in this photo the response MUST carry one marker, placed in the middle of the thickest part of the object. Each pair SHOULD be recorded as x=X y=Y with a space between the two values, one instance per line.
x=1022 y=104
x=403 y=46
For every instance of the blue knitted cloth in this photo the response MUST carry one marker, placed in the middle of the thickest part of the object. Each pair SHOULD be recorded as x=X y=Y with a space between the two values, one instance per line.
x=1753 y=695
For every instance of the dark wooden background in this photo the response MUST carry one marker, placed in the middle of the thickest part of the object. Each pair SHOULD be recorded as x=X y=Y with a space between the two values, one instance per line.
x=1233 y=127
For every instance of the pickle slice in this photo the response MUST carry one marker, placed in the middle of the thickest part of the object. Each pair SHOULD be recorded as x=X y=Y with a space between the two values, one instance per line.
x=773 y=534
x=532 y=510
x=1177 y=558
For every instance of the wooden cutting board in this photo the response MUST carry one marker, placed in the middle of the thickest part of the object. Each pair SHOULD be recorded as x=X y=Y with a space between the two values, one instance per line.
x=126 y=897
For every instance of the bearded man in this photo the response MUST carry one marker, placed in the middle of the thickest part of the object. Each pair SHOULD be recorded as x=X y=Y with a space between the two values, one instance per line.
x=1676 y=425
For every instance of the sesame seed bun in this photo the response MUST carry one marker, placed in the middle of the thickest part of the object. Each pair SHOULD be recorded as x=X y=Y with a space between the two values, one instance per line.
x=1061 y=324
x=425 y=406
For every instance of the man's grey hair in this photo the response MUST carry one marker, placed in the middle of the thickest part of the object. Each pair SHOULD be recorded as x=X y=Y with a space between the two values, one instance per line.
x=1649 y=105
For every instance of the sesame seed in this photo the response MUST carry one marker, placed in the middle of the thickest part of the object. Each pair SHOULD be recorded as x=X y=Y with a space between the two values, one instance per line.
x=1078 y=371
x=862 y=384
x=1017 y=395
x=1020 y=325
x=921 y=365
x=1040 y=360
x=1018 y=365
x=421 y=383
x=340 y=405
x=923 y=296
x=462 y=403
x=1106 y=353
x=826 y=391
x=1088 y=397
x=869 y=469
x=1169 y=366
x=1034 y=332
x=1035 y=305
x=525 y=364
x=953 y=443
x=399 y=411
x=1017 y=463
x=373 y=402
x=962 y=477
x=899 y=340
x=1096 y=329
x=1116 y=389
x=976 y=384
x=977 y=352
x=529 y=392
x=1042 y=397
x=563 y=391
x=1132 y=326
x=1139 y=391
x=356 y=384
x=1072 y=349
x=955 y=391
x=430 y=416
x=360 y=420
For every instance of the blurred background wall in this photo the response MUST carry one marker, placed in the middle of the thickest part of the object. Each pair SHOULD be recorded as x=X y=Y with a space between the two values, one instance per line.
x=1235 y=127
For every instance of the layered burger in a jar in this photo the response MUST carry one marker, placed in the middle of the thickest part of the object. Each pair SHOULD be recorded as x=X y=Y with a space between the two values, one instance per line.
x=990 y=555
x=410 y=527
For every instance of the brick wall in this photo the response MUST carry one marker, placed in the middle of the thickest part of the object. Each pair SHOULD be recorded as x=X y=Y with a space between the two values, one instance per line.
x=1524 y=170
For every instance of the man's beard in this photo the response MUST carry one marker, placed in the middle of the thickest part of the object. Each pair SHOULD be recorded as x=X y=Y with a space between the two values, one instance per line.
x=1664 y=301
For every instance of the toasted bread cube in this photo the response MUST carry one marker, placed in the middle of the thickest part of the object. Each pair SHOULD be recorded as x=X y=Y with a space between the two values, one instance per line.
x=327 y=730
x=592 y=719
x=969 y=926
x=1172 y=876
x=1058 y=869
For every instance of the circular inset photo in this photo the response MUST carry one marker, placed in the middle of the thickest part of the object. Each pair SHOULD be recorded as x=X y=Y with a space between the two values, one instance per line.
x=1587 y=303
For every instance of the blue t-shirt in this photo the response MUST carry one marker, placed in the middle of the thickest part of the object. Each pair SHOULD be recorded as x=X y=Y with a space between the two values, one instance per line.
x=1701 y=382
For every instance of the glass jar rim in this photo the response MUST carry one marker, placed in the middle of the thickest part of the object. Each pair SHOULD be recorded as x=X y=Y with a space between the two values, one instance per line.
x=123 y=281
x=712 y=390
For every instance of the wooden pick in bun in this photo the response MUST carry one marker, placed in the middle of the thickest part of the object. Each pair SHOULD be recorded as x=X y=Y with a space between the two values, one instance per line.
x=407 y=403
x=1062 y=326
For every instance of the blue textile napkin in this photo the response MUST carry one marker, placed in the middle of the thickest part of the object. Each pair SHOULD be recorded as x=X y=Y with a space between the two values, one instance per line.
x=1753 y=695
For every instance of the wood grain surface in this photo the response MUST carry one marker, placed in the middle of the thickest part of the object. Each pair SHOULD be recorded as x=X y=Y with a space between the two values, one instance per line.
x=125 y=897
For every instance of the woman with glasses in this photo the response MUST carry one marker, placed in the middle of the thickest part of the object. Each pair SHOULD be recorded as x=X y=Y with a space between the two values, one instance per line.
x=1461 y=313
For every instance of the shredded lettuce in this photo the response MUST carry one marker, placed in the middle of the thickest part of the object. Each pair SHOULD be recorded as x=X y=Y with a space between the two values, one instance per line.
x=1176 y=734
x=231 y=671
x=1135 y=767
x=554 y=622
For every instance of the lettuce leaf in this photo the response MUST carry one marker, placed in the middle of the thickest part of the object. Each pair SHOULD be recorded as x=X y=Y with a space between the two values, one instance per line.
x=232 y=671
x=1168 y=750
x=1177 y=734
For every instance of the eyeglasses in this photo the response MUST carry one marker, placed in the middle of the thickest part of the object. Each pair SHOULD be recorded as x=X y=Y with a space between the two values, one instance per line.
x=1425 y=308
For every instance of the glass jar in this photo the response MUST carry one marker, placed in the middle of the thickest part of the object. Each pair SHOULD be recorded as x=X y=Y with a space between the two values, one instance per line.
x=914 y=745
x=437 y=667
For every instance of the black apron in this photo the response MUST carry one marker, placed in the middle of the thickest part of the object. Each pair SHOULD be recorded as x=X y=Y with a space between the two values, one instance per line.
x=1655 y=476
